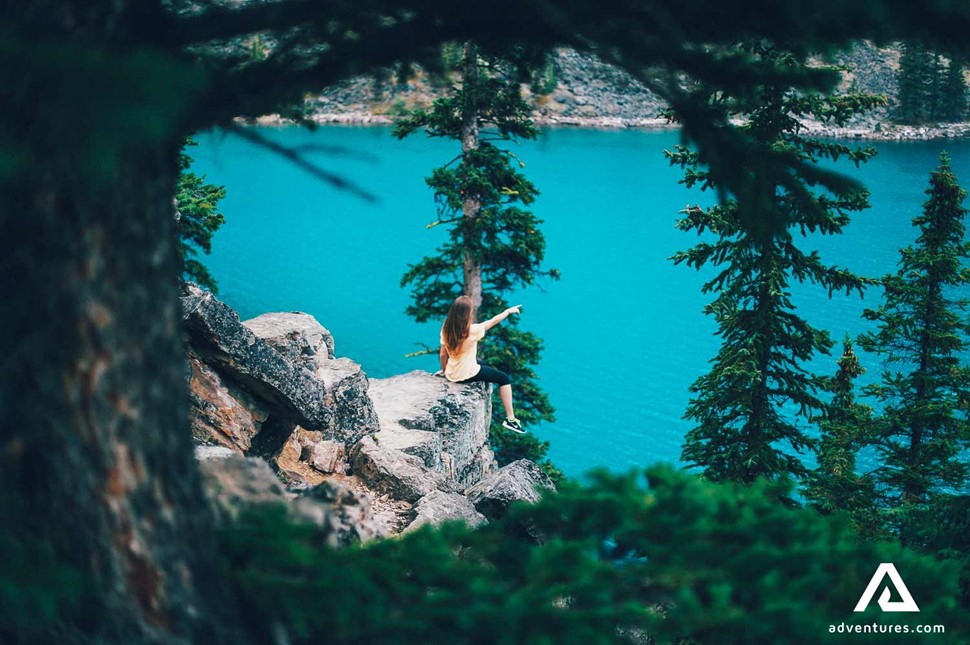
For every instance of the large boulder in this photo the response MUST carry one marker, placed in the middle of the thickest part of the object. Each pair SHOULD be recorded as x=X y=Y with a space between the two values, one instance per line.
x=221 y=414
x=235 y=484
x=295 y=335
x=306 y=343
x=438 y=506
x=392 y=472
x=444 y=424
x=347 y=395
x=217 y=336
x=519 y=481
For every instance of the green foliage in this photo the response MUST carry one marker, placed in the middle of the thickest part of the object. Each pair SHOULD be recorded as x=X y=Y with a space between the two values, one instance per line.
x=942 y=528
x=835 y=485
x=742 y=430
x=483 y=197
x=198 y=220
x=916 y=82
x=924 y=431
x=680 y=559
x=953 y=93
x=84 y=100
x=545 y=80
x=38 y=593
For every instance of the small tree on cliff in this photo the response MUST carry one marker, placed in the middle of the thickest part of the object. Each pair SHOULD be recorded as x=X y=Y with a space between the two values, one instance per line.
x=197 y=219
x=494 y=244
x=835 y=485
x=742 y=429
x=924 y=430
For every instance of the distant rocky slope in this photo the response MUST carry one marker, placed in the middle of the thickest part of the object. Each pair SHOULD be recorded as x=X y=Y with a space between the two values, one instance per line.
x=279 y=419
x=586 y=92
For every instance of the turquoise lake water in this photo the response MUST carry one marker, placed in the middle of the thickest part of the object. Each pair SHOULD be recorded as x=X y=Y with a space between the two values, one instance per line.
x=623 y=329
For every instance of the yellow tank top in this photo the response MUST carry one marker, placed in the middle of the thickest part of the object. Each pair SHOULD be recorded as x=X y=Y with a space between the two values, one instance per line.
x=464 y=364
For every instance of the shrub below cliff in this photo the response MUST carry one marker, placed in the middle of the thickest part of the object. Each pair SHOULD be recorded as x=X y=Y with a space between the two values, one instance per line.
x=611 y=561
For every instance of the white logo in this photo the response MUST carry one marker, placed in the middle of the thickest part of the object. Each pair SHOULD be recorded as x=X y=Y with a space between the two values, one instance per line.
x=906 y=604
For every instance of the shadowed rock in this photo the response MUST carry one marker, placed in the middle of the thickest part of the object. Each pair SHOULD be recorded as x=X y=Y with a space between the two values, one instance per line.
x=520 y=480
x=355 y=518
x=221 y=414
x=306 y=458
x=235 y=484
x=218 y=337
x=306 y=343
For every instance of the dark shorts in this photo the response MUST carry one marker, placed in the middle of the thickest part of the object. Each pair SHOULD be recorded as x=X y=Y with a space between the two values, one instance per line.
x=489 y=375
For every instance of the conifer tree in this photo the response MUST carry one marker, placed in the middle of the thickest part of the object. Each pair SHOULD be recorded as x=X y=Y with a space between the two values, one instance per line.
x=743 y=407
x=197 y=219
x=835 y=484
x=917 y=81
x=928 y=89
x=494 y=244
x=924 y=431
x=953 y=94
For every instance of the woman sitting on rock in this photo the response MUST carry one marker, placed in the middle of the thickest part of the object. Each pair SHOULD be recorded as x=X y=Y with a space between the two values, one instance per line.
x=458 y=353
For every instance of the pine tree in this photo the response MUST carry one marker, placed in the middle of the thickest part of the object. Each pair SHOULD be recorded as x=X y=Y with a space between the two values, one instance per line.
x=918 y=85
x=953 y=93
x=743 y=429
x=835 y=485
x=928 y=89
x=197 y=219
x=494 y=244
x=922 y=332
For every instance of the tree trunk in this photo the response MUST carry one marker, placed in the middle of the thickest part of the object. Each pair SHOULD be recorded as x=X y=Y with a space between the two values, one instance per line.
x=471 y=205
x=96 y=449
x=97 y=474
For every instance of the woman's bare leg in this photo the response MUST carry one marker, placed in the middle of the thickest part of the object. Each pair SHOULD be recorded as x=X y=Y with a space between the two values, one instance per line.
x=505 y=393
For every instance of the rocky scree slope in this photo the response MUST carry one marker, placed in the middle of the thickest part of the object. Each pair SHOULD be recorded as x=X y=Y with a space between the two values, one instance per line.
x=581 y=90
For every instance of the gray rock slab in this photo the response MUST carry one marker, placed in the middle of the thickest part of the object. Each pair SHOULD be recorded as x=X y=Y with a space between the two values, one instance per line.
x=519 y=481
x=296 y=335
x=438 y=506
x=392 y=472
x=444 y=424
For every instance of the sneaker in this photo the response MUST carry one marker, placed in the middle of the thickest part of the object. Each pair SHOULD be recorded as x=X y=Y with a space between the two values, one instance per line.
x=513 y=425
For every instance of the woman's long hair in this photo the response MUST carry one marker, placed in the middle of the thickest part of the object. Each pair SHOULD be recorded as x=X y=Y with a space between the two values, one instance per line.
x=457 y=323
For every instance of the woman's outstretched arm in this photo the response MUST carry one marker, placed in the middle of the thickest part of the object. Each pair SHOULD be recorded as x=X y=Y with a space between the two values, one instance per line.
x=443 y=357
x=491 y=322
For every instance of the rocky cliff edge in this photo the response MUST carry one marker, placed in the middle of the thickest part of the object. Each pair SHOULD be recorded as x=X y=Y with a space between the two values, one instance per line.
x=278 y=418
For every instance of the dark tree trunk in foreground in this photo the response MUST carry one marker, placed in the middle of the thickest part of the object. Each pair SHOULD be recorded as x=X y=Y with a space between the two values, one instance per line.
x=97 y=478
x=99 y=453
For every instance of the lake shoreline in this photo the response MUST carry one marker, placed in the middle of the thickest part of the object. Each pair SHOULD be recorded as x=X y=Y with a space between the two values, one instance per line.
x=878 y=132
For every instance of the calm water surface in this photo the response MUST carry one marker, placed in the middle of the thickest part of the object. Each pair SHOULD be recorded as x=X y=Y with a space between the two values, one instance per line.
x=623 y=329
